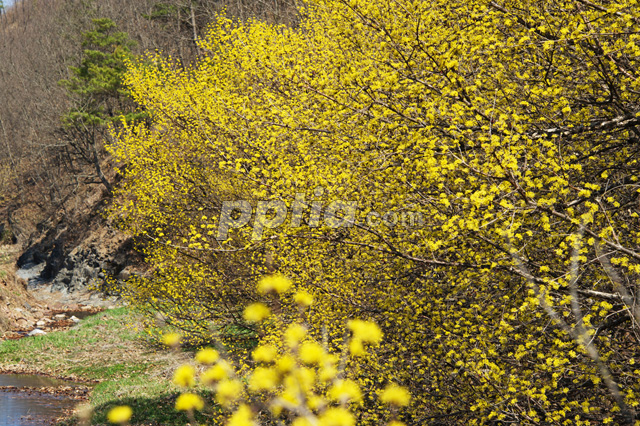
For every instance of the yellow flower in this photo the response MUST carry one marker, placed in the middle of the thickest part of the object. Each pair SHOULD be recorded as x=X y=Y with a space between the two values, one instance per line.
x=242 y=417
x=356 y=348
x=305 y=378
x=172 y=340
x=185 y=375
x=290 y=396
x=216 y=373
x=337 y=416
x=396 y=395
x=277 y=283
x=265 y=353
x=120 y=414
x=395 y=423
x=315 y=402
x=276 y=408
x=228 y=391
x=189 y=402
x=286 y=364
x=345 y=391
x=328 y=372
x=367 y=331
x=263 y=379
x=256 y=312
x=207 y=356
x=303 y=298
x=294 y=334
x=301 y=421
x=312 y=353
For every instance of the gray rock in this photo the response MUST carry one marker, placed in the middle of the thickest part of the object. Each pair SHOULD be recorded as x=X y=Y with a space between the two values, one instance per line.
x=37 y=332
x=124 y=275
x=75 y=319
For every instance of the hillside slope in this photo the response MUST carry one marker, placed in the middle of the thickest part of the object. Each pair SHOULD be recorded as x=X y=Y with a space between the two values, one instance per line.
x=51 y=202
x=16 y=303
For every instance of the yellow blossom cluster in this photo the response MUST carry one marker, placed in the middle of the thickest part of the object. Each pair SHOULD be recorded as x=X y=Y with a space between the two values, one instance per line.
x=468 y=134
x=303 y=383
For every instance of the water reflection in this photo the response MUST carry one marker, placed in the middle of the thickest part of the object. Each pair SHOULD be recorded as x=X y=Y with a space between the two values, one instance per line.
x=27 y=408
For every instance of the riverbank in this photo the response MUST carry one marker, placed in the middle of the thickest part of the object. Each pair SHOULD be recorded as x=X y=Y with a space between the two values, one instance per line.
x=107 y=349
x=17 y=305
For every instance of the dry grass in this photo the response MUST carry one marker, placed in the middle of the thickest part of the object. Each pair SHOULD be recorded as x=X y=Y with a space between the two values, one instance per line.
x=13 y=294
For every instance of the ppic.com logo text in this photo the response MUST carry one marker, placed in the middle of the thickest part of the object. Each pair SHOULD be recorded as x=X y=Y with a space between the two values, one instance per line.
x=336 y=214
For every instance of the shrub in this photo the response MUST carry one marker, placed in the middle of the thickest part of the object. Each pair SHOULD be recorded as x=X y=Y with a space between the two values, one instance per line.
x=503 y=125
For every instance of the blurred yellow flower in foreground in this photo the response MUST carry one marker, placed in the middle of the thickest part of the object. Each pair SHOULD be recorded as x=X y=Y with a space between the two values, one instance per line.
x=303 y=298
x=242 y=417
x=185 y=376
x=171 y=339
x=228 y=391
x=189 y=402
x=120 y=414
x=366 y=331
x=277 y=283
x=207 y=356
x=256 y=312
x=337 y=416
x=265 y=353
x=396 y=395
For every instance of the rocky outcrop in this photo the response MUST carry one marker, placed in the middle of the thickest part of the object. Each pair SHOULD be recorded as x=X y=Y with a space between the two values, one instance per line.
x=83 y=267
x=86 y=266
x=78 y=252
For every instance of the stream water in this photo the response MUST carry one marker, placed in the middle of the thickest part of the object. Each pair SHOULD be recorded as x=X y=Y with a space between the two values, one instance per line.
x=30 y=272
x=27 y=408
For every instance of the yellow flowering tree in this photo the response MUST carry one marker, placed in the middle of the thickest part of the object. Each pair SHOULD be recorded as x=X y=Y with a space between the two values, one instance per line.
x=416 y=149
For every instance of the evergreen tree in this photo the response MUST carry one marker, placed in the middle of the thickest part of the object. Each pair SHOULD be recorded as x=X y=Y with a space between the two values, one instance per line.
x=99 y=98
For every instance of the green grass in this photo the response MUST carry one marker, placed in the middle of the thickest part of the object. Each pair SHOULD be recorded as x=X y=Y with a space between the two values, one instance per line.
x=151 y=402
x=79 y=350
x=109 y=349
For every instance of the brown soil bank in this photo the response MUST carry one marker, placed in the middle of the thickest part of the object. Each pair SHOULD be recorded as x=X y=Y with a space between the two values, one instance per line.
x=17 y=306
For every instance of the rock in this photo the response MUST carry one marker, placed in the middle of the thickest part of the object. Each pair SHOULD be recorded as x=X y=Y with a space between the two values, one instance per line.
x=124 y=275
x=41 y=323
x=24 y=322
x=60 y=316
x=12 y=335
x=37 y=332
x=75 y=319
x=55 y=261
x=25 y=258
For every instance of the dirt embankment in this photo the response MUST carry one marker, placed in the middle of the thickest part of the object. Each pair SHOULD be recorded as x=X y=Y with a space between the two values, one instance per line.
x=17 y=305
x=22 y=310
x=68 y=264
